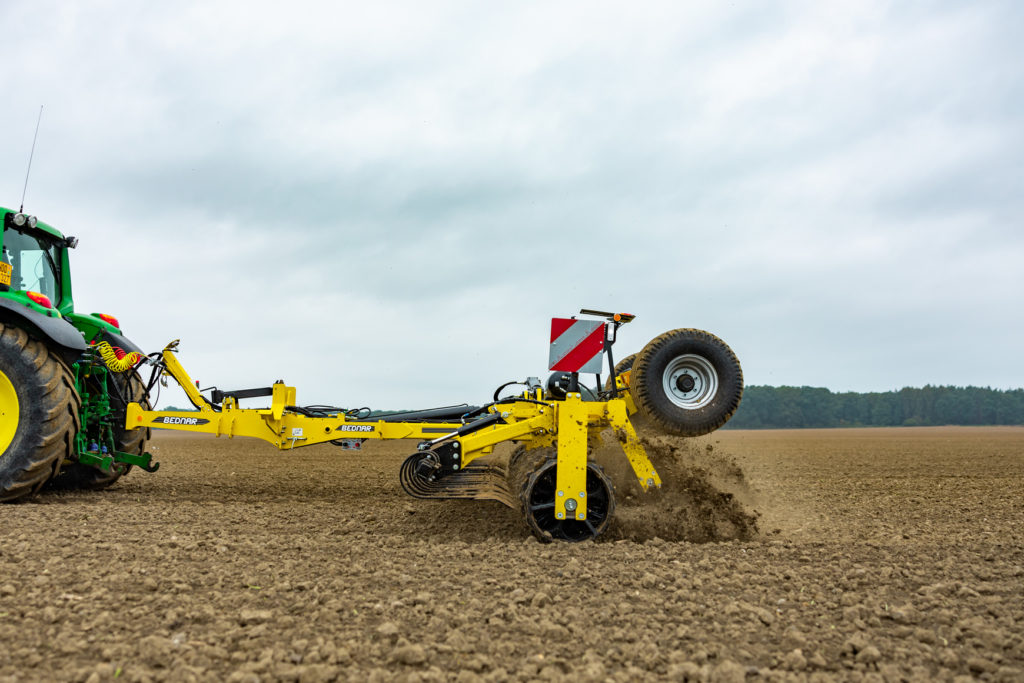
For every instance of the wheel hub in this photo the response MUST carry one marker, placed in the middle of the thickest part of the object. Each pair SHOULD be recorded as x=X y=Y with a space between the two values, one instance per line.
x=10 y=411
x=690 y=381
x=686 y=383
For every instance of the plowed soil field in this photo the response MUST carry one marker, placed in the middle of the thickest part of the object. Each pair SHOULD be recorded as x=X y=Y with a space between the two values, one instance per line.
x=877 y=555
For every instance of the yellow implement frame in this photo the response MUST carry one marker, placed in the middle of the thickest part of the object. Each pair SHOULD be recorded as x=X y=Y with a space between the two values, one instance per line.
x=530 y=420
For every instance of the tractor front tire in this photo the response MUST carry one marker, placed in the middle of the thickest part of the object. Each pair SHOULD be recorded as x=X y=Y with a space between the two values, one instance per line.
x=130 y=389
x=38 y=413
x=687 y=382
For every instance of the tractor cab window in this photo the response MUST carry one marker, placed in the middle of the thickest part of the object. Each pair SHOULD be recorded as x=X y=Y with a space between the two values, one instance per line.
x=34 y=262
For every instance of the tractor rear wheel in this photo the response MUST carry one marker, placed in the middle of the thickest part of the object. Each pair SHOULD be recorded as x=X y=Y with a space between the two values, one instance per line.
x=38 y=413
x=687 y=382
x=128 y=389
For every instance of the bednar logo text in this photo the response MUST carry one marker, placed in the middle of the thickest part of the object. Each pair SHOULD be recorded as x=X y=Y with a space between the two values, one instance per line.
x=168 y=420
x=355 y=428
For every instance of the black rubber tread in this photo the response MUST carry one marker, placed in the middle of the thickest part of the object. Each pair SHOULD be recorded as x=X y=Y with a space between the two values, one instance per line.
x=649 y=393
x=48 y=414
x=620 y=367
x=75 y=475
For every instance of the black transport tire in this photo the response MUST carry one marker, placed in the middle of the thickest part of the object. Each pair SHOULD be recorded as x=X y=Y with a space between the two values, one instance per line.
x=687 y=382
x=129 y=389
x=39 y=411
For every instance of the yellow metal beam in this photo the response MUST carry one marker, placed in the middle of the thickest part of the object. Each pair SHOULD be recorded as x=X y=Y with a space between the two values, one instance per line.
x=290 y=430
x=622 y=383
x=571 y=473
x=182 y=378
x=635 y=453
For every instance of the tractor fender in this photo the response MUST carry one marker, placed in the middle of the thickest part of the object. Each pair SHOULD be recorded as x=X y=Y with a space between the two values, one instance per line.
x=56 y=333
x=119 y=341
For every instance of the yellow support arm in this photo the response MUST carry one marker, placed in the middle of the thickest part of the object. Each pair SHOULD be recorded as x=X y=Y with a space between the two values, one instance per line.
x=642 y=466
x=571 y=474
x=182 y=378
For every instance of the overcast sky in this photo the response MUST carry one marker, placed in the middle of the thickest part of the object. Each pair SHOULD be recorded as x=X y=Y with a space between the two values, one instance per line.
x=384 y=203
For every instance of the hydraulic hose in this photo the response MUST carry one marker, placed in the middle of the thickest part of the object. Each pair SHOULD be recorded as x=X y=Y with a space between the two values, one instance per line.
x=116 y=359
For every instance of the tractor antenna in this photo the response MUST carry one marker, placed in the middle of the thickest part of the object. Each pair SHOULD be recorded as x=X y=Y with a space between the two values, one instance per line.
x=30 y=155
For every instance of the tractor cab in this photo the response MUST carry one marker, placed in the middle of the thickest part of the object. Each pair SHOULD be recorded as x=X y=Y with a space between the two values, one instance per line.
x=34 y=265
x=35 y=274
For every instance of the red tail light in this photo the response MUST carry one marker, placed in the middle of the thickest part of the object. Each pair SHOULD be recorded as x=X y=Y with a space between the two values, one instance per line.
x=109 y=319
x=40 y=299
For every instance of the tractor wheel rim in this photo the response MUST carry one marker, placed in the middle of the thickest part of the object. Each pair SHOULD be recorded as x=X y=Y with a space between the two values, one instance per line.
x=10 y=412
x=690 y=381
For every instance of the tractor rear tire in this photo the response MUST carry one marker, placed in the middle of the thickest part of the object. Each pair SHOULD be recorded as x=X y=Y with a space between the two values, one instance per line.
x=687 y=382
x=78 y=476
x=38 y=414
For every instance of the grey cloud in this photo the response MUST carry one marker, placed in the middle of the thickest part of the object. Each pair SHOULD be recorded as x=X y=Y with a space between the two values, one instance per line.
x=410 y=192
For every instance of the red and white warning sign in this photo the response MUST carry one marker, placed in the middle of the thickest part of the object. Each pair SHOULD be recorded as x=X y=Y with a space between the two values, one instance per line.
x=576 y=345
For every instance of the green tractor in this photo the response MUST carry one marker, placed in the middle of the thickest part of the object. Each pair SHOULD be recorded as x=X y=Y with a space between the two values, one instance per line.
x=66 y=378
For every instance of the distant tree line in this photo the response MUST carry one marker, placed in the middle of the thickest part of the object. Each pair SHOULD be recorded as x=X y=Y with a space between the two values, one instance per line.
x=766 y=407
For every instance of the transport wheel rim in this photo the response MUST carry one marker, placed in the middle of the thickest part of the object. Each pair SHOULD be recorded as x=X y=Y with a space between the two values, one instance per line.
x=540 y=505
x=690 y=381
x=9 y=412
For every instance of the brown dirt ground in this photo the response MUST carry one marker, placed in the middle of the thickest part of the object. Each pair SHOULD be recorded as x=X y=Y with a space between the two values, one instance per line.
x=878 y=555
